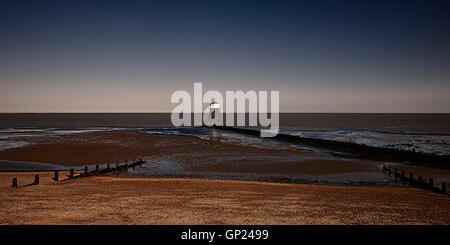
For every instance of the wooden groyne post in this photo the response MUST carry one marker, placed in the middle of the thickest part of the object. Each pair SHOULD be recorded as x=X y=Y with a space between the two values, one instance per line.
x=36 y=179
x=97 y=169
x=420 y=179
x=86 y=170
x=56 y=177
x=72 y=171
x=14 y=182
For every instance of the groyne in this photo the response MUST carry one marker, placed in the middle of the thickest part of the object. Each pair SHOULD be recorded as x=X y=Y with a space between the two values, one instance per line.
x=366 y=151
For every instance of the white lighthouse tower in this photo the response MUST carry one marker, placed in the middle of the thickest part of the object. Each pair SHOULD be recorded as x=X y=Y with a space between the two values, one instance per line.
x=214 y=114
x=214 y=133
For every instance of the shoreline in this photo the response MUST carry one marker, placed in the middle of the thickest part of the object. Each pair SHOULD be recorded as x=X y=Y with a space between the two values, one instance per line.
x=210 y=158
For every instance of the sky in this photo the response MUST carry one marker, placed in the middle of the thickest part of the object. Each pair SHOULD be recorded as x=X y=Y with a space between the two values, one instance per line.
x=130 y=56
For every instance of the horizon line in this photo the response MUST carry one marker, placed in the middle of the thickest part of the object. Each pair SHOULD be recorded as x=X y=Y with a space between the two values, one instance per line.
x=285 y=112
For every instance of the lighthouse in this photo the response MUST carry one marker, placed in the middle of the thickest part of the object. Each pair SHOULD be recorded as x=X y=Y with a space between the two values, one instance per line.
x=214 y=113
x=214 y=120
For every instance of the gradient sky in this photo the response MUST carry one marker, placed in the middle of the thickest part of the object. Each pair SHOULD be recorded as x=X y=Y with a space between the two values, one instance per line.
x=130 y=56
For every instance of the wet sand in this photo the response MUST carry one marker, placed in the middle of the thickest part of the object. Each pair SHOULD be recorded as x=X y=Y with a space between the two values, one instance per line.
x=195 y=154
x=112 y=200
x=90 y=148
x=312 y=167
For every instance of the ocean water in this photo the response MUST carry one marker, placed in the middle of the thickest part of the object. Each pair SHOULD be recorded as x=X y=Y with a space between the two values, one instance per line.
x=421 y=142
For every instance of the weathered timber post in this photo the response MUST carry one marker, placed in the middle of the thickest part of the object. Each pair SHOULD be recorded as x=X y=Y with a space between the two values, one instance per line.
x=389 y=171
x=71 y=173
x=117 y=165
x=56 y=177
x=431 y=182
x=97 y=169
x=14 y=182
x=36 y=179
x=86 y=170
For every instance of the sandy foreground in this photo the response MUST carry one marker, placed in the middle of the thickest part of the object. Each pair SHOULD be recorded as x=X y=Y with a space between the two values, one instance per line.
x=112 y=200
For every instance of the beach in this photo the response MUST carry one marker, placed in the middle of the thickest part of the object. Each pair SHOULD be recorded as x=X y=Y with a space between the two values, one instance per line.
x=113 y=200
